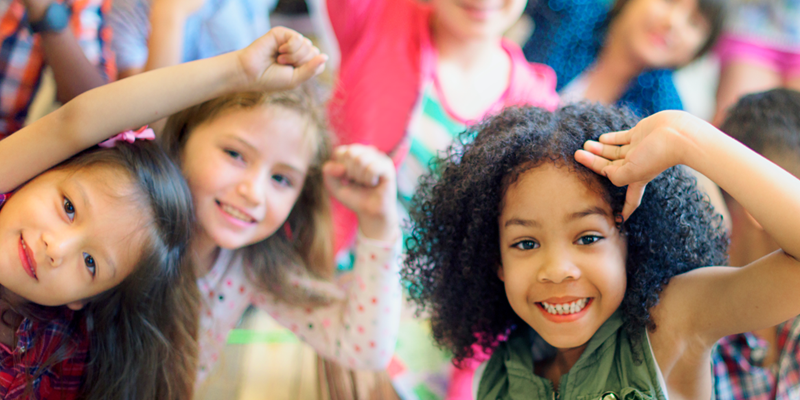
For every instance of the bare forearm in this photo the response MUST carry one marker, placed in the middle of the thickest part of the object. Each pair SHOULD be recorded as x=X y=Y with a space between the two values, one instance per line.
x=129 y=103
x=165 y=45
x=73 y=72
x=767 y=192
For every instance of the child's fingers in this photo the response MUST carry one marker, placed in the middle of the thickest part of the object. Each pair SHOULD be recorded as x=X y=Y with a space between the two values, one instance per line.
x=620 y=137
x=591 y=161
x=609 y=152
x=309 y=55
x=363 y=169
x=334 y=169
x=301 y=56
x=365 y=165
x=310 y=69
x=290 y=42
x=633 y=198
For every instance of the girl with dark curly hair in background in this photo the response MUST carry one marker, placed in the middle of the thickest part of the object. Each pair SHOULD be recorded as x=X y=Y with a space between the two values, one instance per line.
x=519 y=236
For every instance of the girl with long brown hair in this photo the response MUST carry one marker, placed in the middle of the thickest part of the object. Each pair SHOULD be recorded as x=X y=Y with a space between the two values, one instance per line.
x=258 y=165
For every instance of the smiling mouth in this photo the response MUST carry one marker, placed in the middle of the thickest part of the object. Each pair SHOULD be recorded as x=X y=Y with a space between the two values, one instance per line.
x=26 y=256
x=565 y=308
x=479 y=9
x=235 y=213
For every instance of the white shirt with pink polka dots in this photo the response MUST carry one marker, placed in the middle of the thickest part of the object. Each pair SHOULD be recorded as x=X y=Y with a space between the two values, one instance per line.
x=358 y=331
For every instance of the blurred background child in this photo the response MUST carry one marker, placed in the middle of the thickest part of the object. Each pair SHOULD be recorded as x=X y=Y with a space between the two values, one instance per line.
x=759 y=50
x=413 y=74
x=763 y=364
x=622 y=53
x=150 y=34
x=71 y=37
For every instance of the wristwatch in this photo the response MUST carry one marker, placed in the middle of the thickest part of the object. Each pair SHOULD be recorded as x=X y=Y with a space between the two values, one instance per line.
x=55 y=19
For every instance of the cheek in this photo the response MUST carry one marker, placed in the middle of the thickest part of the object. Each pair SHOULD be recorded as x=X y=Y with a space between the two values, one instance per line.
x=204 y=178
x=277 y=212
x=517 y=281
x=693 y=40
x=611 y=279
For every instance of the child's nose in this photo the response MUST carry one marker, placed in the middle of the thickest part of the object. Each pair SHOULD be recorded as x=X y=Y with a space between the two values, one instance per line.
x=558 y=268
x=59 y=245
x=254 y=189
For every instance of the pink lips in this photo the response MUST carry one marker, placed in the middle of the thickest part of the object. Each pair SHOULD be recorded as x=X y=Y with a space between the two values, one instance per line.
x=478 y=13
x=233 y=220
x=27 y=258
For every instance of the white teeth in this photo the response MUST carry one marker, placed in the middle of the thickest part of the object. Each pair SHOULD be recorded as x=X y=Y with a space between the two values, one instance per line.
x=236 y=213
x=569 y=308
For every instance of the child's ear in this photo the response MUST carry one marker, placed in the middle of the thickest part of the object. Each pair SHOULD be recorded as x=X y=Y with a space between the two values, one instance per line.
x=76 y=305
x=500 y=273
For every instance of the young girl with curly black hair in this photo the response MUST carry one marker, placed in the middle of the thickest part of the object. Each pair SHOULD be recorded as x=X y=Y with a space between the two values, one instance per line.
x=519 y=235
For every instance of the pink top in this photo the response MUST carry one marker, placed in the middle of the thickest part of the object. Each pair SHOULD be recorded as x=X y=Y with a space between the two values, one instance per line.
x=358 y=329
x=386 y=59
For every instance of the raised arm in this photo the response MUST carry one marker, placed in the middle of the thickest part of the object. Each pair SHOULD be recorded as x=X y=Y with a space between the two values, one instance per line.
x=279 y=60
x=710 y=303
x=360 y=330
x=167 y=35
x=73 y=72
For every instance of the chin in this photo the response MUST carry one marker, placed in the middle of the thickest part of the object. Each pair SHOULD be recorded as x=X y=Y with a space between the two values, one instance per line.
x=566 y=341
x=229 y=243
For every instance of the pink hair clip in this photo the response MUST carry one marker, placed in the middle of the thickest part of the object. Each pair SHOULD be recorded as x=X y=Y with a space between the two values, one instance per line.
x=143 y=133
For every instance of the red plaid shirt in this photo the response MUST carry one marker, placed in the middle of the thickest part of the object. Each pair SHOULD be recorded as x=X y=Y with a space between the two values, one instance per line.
x=739 y=373
x=20 y=367
x=22 y=56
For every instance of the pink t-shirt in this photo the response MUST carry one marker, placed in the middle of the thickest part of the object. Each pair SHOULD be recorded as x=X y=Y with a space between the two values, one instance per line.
x=387 y=57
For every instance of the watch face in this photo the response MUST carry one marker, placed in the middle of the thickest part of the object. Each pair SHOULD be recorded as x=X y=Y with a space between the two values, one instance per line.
x=55 y=19
x=57 y=16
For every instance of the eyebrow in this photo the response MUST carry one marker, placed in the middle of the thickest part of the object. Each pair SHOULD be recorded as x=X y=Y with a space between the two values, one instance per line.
x=88 y=206
x=84 y=198
x=530 y=223
x=527 y=223
x=587 y=212
x=244 y=143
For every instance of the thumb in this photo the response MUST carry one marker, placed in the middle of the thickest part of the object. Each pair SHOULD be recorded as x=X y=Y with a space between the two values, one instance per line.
x=310 y=69
x=633 y=197
x=334 y=169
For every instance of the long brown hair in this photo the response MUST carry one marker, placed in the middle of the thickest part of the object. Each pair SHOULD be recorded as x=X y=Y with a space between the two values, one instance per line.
x=143 y=333
x=303 y=248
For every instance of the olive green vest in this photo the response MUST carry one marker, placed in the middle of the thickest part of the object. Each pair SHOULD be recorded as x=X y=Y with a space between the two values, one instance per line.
x=605 y=370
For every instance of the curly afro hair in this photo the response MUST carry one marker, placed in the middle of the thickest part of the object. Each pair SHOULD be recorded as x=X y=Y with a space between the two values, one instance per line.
x=453 y=249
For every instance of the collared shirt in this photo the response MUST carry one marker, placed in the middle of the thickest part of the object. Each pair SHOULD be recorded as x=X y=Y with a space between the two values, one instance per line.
x=218 y=27
x=738 y=368
x=22 y=55
x=22 y=375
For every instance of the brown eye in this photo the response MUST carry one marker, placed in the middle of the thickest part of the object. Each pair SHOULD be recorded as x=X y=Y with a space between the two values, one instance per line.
x=90 y=263
x=69 y=209
x=526 y=245
x=589 y=239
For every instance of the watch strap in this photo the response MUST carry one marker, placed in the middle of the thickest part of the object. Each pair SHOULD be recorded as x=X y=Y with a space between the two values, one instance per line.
x=55 y=19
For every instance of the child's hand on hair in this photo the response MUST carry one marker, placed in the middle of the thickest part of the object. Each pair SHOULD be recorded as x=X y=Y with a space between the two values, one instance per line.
x=636 y=156
x=281 y=59
x=363 y=179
